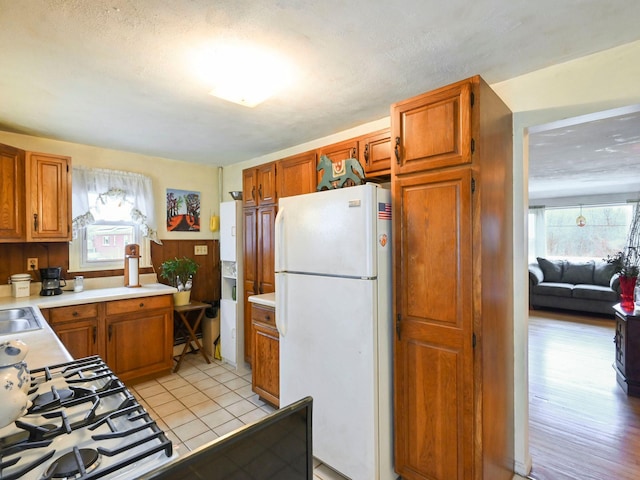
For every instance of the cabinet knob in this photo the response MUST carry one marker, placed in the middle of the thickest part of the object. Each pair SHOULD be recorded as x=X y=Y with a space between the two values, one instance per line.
x=397 y=150
x=141 y=304
x=267 y=318
x=35 y=221
x=366 y=154
x=74 y=314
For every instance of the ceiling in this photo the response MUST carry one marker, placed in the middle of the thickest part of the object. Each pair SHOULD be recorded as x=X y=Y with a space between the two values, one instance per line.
x=117 y=74
x=594 y=154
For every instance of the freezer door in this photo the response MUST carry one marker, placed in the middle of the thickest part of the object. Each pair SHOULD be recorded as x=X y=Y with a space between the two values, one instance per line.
x=328 y=351
x=330 y=233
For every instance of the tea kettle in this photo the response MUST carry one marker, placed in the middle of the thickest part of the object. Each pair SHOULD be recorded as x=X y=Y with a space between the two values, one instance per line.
x=15 y=380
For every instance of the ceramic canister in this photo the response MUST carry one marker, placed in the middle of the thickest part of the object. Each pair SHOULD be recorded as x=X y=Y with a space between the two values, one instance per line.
x=14 y=381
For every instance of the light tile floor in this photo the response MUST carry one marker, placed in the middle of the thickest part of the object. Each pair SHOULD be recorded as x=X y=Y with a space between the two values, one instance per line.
x=205 y=401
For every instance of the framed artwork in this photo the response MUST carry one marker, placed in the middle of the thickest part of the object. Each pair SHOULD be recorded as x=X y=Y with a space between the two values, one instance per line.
x=183 y=210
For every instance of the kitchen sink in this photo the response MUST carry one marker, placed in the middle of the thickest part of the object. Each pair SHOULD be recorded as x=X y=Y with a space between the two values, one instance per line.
x=14 y=320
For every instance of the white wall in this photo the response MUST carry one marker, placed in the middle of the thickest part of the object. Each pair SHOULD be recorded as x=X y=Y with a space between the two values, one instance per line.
x=590 y=84
x=164 y=173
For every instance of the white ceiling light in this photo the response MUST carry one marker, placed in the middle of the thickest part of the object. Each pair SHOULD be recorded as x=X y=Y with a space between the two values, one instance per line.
x=243 y=74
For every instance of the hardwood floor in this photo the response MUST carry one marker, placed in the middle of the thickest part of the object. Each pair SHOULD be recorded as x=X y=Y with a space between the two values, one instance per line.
x=582 y=425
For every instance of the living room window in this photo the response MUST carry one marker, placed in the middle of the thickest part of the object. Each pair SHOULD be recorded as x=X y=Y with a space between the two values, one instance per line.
x=554 y=232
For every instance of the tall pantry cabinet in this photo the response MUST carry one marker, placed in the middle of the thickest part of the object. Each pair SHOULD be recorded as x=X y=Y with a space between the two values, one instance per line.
x=453 y=348
x=259 y=216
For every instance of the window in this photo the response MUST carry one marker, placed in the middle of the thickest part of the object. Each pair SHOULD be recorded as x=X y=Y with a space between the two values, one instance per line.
x=110 y=210
x=604 y=233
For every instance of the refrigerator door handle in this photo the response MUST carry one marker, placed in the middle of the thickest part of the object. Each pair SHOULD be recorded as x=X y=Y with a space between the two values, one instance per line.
x=279 y=237
x=281 y=309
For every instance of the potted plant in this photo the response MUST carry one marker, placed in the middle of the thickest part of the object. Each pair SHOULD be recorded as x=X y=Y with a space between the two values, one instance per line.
x=179 y=272
x=625 y=263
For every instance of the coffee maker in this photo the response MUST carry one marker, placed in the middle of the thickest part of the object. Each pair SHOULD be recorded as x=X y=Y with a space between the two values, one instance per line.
x=50 y=278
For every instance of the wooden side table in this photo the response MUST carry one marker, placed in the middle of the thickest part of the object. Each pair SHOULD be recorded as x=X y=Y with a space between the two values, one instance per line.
x=192 y=312
x=627 y=341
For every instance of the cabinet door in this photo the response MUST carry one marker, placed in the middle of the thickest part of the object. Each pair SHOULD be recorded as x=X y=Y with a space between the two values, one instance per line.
x=375 y=153
x=432 y=130
x=620 y=341
x=140 y=344
x=80 y=338
x=250 y=259
x=266 y=249
x=267 y=184
x=79 y=328
x=297 y=175
x=338 y=152
x=249 y=187
x=49 y=187
x=12 y=194
x=265 y=364
x=433 y=353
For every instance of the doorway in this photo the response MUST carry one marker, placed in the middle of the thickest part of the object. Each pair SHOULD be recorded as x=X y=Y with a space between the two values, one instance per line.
x=608 y=176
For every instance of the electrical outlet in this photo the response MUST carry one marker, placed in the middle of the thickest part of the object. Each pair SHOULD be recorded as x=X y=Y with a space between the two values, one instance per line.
x=32 y=264
x=200 y=250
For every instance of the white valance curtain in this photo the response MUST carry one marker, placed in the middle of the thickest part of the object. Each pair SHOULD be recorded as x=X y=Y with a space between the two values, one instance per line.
x=92 y=187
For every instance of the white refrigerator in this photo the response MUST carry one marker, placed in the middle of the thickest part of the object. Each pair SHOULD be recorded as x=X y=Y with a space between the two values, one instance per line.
x=333 y=313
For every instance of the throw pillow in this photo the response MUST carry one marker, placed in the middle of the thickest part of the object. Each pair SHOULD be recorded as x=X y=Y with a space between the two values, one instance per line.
x=552 y=269
x=578 y=272
x=602 y=273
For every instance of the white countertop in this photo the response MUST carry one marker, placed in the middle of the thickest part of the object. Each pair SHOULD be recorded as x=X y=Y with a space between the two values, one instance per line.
x=87 y=296
x=44 y=346
x=266 y=299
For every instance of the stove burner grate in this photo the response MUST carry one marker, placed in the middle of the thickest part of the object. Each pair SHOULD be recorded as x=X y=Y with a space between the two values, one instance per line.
x=51 y=399
x=73 y=464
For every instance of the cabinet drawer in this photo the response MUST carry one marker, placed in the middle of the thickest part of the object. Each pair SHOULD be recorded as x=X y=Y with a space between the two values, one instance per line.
x=138 y=304
x=74 y=312
x=263 y=315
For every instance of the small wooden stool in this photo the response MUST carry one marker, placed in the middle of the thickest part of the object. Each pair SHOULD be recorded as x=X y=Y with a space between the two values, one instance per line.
x=183 y=312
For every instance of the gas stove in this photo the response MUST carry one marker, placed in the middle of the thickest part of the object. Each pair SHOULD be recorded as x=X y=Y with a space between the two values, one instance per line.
x=83 y=424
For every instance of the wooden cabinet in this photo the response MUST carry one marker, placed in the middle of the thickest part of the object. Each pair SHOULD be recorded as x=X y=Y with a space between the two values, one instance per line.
x=374 y=153
x=12 y=194
x=434 y=130
x=338 y=152
x=453 y=348
x=35 y=198
x=139 y=336
x=259 y=274
x=627 y=350
x=133 y=336
x=265 y=364
x=79 y=328
x=49 y=192
x=259 y=185
x=296 y=175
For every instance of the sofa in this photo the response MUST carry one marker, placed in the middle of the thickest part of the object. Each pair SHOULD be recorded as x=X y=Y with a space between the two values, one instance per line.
x=587 y=286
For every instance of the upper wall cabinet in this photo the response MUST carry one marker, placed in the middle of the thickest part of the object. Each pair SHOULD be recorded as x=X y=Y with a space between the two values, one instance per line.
x=296 y=175
x=35 y=198
x=338 y=152
x=433 y=130
x=374 y=153
x=259 y=185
